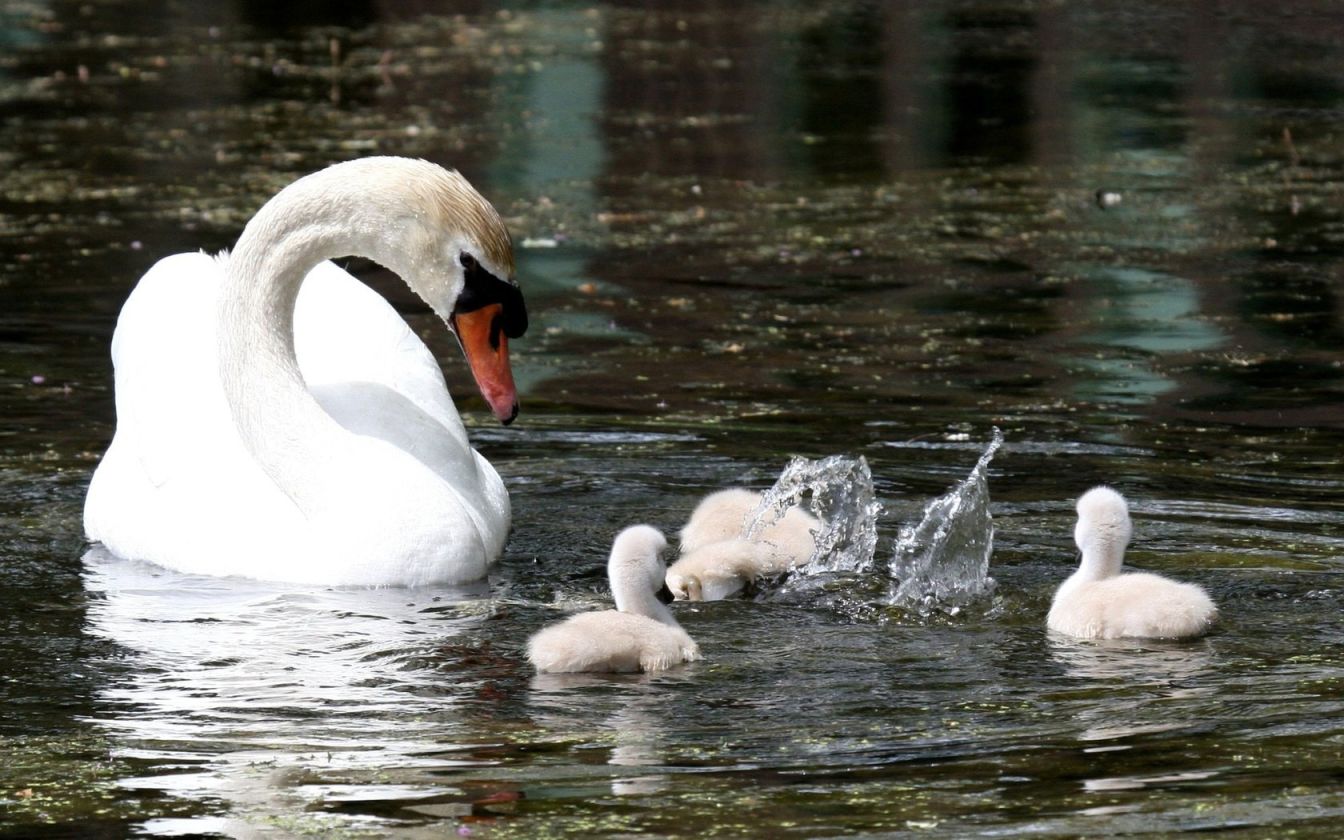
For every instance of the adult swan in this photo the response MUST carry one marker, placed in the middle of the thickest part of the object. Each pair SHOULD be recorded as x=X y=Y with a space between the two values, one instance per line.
x=277 y=419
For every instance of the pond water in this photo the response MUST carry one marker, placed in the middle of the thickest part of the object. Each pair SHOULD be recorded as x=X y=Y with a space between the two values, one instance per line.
x=1115 y=231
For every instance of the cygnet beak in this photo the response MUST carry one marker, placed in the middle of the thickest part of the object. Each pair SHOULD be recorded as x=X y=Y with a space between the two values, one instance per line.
x=665 y=594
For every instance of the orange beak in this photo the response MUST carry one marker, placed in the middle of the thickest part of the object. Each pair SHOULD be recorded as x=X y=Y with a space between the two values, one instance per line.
x=481 y=334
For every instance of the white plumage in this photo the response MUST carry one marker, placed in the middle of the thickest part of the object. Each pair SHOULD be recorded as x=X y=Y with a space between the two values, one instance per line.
x=639 y=635
x=1098 y=602
x=277 y=419
x=717 y=559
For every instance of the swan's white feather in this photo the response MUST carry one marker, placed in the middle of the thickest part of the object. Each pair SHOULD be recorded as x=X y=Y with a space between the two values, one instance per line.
x=717 y=560
x=177 y=486
x=610 y=641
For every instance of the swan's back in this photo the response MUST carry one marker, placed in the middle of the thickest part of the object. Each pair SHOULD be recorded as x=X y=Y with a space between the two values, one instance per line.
x=610 y=641
x=723 y=515
x=719 y=516
x=1133 y=605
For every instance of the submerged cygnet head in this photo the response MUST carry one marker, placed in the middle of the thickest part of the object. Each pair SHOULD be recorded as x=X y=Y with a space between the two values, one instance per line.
x=1103 y=531
x=720 y=570
x=718 y=560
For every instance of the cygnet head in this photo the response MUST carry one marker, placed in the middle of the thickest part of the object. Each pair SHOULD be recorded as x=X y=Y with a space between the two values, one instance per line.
x=684 y=587
x=1103 y=530
x=635 y=567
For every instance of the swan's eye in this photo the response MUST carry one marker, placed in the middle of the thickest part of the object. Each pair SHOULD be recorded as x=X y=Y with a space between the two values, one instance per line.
x=467 y=260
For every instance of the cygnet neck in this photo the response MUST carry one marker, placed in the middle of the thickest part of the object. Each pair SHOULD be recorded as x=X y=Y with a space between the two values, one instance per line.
x=634 y=588
x=1103 y=550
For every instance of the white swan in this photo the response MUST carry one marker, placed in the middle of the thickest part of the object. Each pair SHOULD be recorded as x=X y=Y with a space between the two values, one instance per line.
x=639 y=635
x=1097 y=602
x=717 y=560
x=277 y=419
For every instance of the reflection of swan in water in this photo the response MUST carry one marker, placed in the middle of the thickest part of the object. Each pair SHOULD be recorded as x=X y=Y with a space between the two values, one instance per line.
x=639 y=744
x=630 y=714
x=258 y=695
x=1097 y=602
x=1132 y=661
x=1148 y=688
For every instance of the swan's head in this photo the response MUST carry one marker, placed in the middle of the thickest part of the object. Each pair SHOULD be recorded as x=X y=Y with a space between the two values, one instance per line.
x=451 y=247
x=1103 y=528
x=425 y=223
x=487 y=307
x=636 y=565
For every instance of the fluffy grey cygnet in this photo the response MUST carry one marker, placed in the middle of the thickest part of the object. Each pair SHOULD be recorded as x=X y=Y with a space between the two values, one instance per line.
x=1098 y=602
x=639 y=635
x=717 y=560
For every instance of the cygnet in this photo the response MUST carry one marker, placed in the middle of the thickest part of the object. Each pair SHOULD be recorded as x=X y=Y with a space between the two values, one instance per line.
x=1097 y=602
x=717 y=560
x=639 y=635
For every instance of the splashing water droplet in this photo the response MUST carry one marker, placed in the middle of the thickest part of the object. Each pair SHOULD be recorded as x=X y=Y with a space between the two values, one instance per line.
x=842 y=497
x=942 y=563
x=938 y=566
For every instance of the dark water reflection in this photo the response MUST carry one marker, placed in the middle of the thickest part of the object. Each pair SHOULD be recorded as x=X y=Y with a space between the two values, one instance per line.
x=744 y=233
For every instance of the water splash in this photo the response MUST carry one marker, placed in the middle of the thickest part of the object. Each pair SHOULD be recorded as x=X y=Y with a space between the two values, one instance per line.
x=841 y=496
x=942 y=563
x=938 y=566
x=842 y=564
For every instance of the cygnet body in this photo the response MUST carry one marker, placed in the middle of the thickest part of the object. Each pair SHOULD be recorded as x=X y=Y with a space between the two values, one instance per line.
x=1097 y=602
x=639 y=635
x=717 y=560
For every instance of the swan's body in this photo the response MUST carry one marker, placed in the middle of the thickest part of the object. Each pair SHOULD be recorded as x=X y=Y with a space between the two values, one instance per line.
x=1097 y=602
x=717 y=560
x=277 y=419
x=639 y=635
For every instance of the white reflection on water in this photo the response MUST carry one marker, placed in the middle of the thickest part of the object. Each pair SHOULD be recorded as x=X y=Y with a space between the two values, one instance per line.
x=635 y=725
x=1141 y=782
x=639 y=743
x=1132 y=661
x=267 y=697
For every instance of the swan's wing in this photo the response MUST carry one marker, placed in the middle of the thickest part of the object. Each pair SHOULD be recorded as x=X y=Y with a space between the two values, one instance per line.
x=169 y=403
x=175 y=461
x=344 y=332
x=375 y=377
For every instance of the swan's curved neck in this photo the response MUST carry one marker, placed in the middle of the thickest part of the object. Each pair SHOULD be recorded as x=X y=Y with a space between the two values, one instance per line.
x=328 y=214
